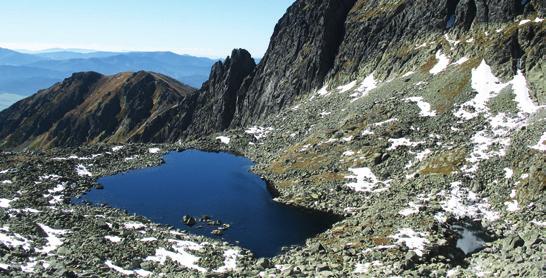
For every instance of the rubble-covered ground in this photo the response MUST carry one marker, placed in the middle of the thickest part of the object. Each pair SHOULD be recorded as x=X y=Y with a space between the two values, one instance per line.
x=404 y=159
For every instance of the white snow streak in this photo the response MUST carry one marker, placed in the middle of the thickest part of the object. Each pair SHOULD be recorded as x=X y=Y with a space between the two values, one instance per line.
x=139 y=272
x=181 y=255
x=53 y=240
x=259 y=132
x=426 y=109
x=82 y=171
x=230 y=261
x=368 y=84
x=347 y=87
x=366 y=181
x=415 y=241
x=399 y=142
x=114 y=239
x=224 y=139
x=541 y=145
x=441 y=65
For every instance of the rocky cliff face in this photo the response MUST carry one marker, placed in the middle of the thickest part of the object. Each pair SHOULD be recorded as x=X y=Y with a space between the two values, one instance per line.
x=302 y=51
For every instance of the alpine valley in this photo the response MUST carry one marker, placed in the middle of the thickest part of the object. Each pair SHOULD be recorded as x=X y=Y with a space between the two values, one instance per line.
x=410 y=119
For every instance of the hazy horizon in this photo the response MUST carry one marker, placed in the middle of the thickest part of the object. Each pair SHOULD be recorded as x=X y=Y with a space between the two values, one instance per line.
x=205 y=29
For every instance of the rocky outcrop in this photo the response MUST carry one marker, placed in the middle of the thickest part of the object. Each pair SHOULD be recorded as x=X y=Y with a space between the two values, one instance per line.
x=207 y=110
x=301 y=52
x=220 y=96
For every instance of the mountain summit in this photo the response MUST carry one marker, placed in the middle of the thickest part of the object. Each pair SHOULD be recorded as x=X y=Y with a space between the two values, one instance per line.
x=89 y=107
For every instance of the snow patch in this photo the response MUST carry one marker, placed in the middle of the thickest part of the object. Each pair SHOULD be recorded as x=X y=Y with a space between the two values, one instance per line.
x=347 y=87
x=512 y=206
x=415 y=241
x=508 y=173
x=53 y=240
x=541 y=145
x=462 y=203
x=259 y=132
x=493 y=141
x=409 y=73
x=487 y=85
x=525 y=103
x=134 y=225
x=366 y=181
x=114 y=239
x=323 y=91
x=224 y=139
x=324 y=114
x=426 y=109
x=368 y=84
x=441 y=65
x=399 y=142
x=13 y=240
x=154 y=150
x=139 y=272
x=59 y=188
x=230 y=261
x=365 y=267
x=181 y=255
x=461 y=61
x=117 y=148
x=539 y=223
x=5 y=203
x=82 y=171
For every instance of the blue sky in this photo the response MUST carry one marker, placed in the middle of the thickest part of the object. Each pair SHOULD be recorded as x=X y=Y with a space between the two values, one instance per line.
x=198 y=27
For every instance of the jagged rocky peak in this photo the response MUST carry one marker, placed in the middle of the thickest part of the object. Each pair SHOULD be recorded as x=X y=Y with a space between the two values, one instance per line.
x=219 y=96
x=301 y=52
x=226 y=77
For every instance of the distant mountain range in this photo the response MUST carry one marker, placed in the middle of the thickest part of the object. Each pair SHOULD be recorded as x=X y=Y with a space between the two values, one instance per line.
x=26 y=73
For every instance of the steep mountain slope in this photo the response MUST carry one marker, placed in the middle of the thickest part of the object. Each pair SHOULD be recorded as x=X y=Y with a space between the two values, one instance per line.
x=89 y=107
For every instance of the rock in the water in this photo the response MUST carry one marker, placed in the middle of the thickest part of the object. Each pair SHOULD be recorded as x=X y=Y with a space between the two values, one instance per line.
x=188 y=220
x=217 y=232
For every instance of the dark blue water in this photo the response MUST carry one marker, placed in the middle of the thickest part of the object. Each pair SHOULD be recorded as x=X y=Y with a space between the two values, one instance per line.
x=218 y=185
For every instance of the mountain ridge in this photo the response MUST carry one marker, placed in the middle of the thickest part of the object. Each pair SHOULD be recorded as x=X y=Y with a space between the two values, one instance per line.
x=39 y=71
